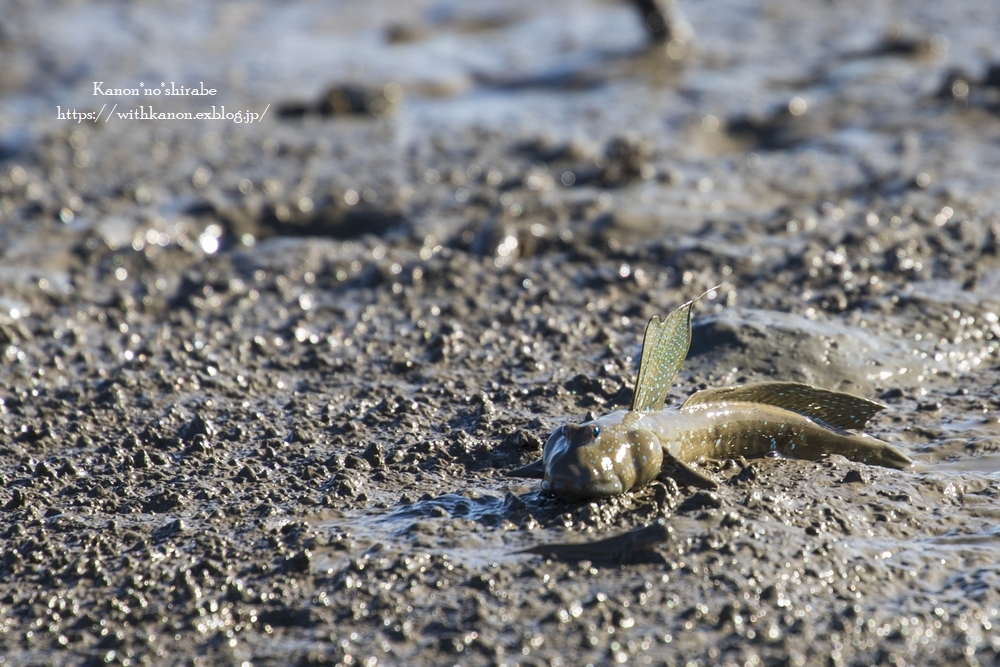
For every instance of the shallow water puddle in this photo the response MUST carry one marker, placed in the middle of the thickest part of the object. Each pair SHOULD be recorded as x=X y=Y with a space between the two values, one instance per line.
x=962 y=446
x=987 y=465
x=465 y=529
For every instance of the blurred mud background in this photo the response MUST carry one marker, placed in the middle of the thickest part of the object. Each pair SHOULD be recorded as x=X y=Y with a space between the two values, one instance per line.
x=261 y=382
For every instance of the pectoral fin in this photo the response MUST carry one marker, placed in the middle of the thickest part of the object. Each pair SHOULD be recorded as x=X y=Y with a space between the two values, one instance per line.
x=664 y=347
x=534 y=470
x=683 y=473
x=833 y=408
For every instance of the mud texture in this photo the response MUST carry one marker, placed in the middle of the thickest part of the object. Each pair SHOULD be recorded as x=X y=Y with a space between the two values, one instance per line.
x=261 y=383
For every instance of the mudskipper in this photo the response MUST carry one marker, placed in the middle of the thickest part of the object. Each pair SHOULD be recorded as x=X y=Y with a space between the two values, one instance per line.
x=627 y=449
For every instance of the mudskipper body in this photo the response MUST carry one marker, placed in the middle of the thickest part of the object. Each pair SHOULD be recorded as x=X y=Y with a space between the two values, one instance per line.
x=627 y=449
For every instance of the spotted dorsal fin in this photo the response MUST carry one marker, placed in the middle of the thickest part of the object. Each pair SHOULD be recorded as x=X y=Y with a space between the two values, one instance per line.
x=831 y=407
x=664 y=347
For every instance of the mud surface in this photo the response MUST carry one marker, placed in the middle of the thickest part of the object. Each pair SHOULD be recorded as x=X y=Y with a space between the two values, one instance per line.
x=261 y=382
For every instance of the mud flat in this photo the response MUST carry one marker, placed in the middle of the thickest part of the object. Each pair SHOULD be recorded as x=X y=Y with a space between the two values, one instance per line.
x=261 y=382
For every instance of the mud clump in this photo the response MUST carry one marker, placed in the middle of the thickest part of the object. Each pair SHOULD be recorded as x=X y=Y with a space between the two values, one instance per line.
x=346 y=100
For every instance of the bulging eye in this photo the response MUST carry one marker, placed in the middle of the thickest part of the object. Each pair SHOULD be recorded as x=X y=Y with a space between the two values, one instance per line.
x=582 y=435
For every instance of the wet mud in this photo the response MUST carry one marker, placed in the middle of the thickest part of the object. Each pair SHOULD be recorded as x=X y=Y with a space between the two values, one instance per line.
x=262 y=383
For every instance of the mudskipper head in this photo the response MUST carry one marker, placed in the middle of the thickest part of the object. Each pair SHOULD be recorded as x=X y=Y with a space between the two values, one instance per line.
x=595 y=460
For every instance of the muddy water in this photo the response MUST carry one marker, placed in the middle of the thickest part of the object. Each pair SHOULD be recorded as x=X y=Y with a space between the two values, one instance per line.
x=262 y=381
